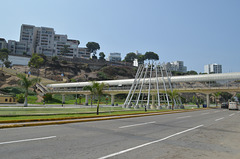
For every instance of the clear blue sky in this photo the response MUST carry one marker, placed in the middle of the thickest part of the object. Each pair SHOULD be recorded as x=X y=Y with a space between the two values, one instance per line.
x=197 y=32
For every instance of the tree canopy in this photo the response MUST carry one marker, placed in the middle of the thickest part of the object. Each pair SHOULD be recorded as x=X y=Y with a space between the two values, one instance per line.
x=151 y=56
x=93 y=47
x=130 y=57
x=7 y=63
x=4 y=55
x=101 y=55
x=36 y=61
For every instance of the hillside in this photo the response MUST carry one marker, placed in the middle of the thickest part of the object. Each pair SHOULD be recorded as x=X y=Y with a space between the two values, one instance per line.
x=72 y=71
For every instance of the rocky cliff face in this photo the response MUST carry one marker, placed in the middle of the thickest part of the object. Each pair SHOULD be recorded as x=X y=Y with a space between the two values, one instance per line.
x=7 y=80
x=82 y=72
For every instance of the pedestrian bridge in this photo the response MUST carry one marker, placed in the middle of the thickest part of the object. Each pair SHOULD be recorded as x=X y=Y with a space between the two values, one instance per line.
x=204 y=83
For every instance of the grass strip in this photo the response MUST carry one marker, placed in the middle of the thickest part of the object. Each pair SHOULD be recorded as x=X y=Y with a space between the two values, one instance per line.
x=80 y=116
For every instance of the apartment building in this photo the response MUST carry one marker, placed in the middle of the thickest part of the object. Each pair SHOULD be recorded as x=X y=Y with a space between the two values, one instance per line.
x=83 y=53
x=3 y=43
x=212 y=68
x=28 y=35
x=114 y=57
x=176 y=66
x=17 y=48
x=43 y=40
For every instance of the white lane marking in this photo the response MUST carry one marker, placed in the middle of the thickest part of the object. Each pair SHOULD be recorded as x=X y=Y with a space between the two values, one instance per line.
x=149 y=143
x=238 y=112
x=205 y=113
x=183 y=117
x=219 y=119
x=232 y=114
x=34 y=139
x=137 y=124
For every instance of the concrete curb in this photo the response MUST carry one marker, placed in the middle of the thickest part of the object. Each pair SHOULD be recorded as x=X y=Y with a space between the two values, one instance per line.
x=86 y=119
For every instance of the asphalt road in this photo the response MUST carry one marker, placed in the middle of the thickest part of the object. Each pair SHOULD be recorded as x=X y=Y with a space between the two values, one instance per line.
x=213 y=133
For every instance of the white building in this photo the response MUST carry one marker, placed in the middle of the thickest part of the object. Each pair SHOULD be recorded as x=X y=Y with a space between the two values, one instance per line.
x=28 y=35
x=43 y=40
x=114 y=57
x=3 y=43
x=176 y=66
x=212 y=68
x=59 y=42
x=17 y=48
x=83 y=53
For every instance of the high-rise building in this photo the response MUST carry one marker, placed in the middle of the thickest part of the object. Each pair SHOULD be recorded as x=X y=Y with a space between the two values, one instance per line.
x=44 y=41
x=3 y=43
x=212 y=68
x=28 y=35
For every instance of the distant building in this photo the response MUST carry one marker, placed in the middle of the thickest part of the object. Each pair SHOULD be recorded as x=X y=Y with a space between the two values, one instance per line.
x=3 y=43
x=176 y=66
x=43 y=40
x=83 y=53
x=114 y=57
x=212 y=68
x=17 y=48
x=135 y=62
x=137 y=53
x=28 y=35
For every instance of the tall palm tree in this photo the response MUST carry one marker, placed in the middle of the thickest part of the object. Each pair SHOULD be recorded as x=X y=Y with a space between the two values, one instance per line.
x=173 y=95
x=26 y=83
x=96 y=89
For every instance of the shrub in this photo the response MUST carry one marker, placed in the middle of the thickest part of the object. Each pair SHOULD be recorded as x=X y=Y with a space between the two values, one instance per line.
x=102 y=76
x=73 y=80
x=20 y=98
x=64 y=62
x=16 y=90
x=47 y=97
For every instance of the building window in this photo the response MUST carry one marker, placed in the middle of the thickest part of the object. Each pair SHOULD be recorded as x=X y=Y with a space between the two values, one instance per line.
x=6 y=100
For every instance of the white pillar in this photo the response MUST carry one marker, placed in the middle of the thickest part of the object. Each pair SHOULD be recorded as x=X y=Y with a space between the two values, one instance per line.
x=63 y=98
x=153 y=102
x=86 y=99
x=112 y=99
x=208 y=100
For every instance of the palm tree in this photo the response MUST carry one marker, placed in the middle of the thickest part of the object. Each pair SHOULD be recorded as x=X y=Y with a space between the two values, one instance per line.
x=217 y=95
x=90 y=88
x=173 y=95
x=26 y=83
x=96 y=89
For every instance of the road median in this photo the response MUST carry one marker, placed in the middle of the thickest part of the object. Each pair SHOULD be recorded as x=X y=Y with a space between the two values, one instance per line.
x=25 y=123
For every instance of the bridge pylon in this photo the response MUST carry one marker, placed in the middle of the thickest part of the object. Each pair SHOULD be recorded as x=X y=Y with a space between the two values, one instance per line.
x=144 y=91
